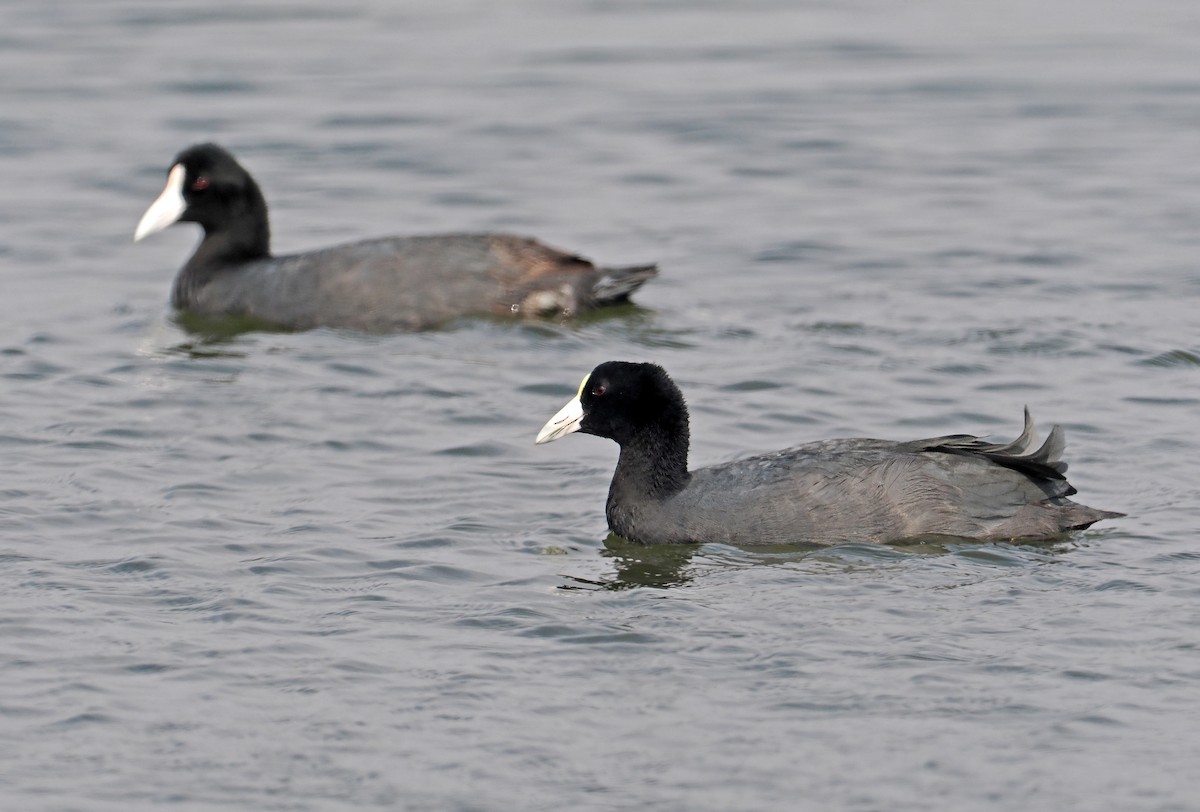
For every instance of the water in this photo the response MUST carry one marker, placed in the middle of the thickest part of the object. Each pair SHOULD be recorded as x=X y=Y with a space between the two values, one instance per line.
x=327 y=571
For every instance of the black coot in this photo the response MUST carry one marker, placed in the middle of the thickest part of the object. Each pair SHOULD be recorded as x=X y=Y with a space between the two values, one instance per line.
x=378 y=285
x=829 y=492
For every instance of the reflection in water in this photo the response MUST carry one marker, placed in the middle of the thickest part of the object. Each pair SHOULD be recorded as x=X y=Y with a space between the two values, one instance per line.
x=659 y=566
x=209 y=336
x=203 y=349
x=161 y=342
x=669 y=565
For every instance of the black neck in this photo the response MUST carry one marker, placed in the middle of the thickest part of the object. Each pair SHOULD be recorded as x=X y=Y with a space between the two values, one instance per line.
x=223 y=247
x=653 y=463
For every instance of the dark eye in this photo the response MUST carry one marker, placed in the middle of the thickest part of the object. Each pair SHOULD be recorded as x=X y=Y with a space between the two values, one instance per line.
x=200 y=184
x=598 y=390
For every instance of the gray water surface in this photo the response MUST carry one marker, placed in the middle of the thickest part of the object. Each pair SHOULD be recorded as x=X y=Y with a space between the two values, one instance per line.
x=328 y=571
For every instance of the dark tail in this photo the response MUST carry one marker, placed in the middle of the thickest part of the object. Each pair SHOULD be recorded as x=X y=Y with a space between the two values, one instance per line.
x=614 y=285
x=1041 y=463
x=1044 y=464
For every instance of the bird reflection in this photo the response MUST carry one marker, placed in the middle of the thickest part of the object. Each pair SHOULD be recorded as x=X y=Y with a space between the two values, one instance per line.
x=663 y=566
x=638 y=565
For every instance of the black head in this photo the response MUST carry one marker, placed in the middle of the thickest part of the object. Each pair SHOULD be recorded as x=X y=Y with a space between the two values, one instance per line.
x=206 y=185
x=624 y=402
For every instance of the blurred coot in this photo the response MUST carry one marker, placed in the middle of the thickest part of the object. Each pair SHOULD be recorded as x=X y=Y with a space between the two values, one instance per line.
x=378 y=285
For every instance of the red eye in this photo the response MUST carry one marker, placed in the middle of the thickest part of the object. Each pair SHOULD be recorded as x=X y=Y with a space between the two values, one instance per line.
x=598 y=390
x=200 y=184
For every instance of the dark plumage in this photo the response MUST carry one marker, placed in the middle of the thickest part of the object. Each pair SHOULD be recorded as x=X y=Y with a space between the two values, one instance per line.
x=829 y=492
x=394 y=283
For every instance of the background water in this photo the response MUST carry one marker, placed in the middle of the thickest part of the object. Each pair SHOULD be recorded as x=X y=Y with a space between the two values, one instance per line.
x=327 y=571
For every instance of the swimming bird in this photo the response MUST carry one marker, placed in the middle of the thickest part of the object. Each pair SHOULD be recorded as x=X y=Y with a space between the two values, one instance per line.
x=377 y=285
x=828 y=492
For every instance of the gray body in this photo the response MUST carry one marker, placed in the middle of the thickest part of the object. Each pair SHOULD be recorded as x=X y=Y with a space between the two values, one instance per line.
x=860 y=490
x=380 y=285
x=403 y=283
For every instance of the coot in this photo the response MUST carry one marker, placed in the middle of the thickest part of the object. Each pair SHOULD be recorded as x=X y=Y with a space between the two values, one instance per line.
x=829 y=492
x=377 y=285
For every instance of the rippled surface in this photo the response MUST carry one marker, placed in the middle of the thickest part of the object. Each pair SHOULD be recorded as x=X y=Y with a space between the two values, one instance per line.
x=326 y=571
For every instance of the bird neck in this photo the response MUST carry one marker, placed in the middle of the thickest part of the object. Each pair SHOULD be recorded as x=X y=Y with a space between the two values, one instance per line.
x=221 y=249
x=653 y=463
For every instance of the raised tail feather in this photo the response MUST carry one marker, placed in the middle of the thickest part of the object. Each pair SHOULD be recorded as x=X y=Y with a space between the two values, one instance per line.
x=614 y=285
x=1018 y=452
x=1045 y=462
